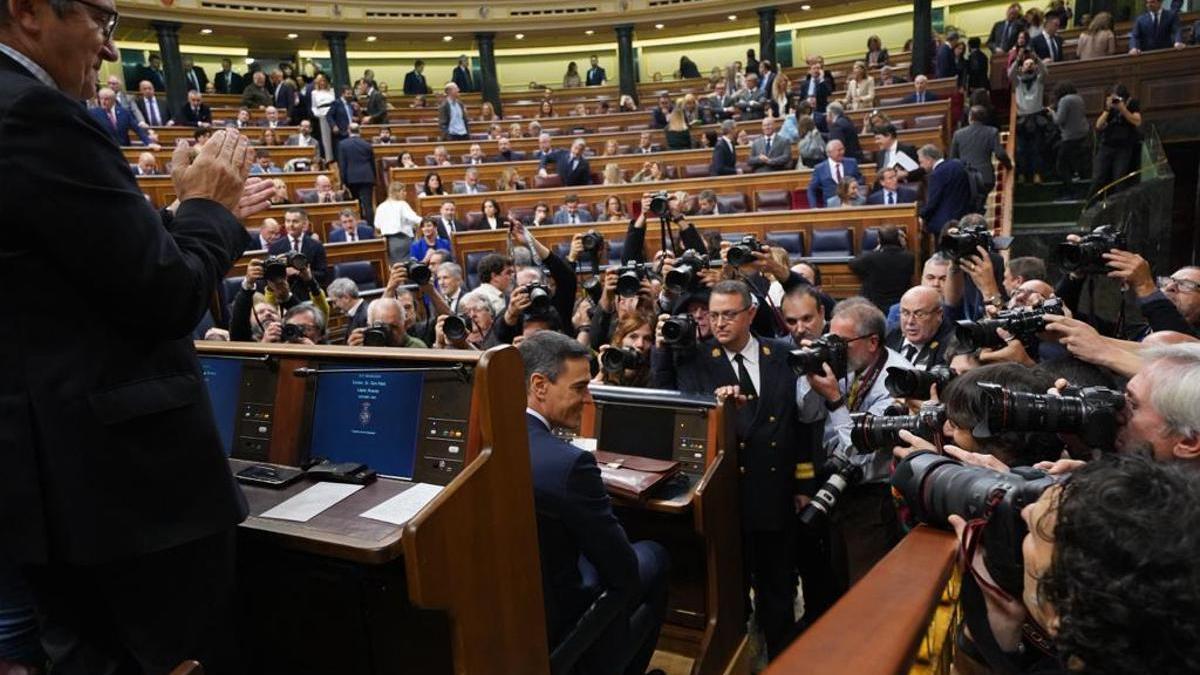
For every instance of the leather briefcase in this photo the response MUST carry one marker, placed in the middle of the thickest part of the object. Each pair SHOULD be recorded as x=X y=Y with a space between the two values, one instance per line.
x=631 y=476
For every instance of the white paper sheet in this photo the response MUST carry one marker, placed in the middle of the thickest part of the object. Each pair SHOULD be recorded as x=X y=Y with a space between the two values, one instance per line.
x=399 y=509
x=905 y=162
x=588 y=444
x=304 y=506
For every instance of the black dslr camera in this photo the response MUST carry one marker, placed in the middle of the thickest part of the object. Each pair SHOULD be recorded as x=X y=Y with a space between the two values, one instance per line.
x=936 y=487
x=809 y=360
x=882 y=432
x=619 y=360
x=916 y=383
x=685 y=276
x=378 y=334
x=660 y=203
x=1086 y=256
x=593 y=243
x=456 y=327
x=963 y=242
x=629 y=278
x=539 y=297
x=418 y=272
x=291 y=333
x=742 y=253
x=680 y=331
x=1024 y=323
x=842 y=474
x=276 y=266
x=1089 y=413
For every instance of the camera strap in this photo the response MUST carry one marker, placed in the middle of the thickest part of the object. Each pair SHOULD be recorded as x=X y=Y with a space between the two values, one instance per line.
x=865 y=382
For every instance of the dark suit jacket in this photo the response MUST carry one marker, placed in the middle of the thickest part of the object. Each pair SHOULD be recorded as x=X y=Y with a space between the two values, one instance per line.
x=768 y=432
x=464 y=79
x=512 y=156
x=285 y=98
x=904 y=195
x=447 y=233
x=312 y=249
x=1041 y=47
x=376 y=107
x=356 y=158
x=358 y=319
x=414 y=83
x=947 y=195
x=164 y=112
x=90 y=413
x=910 y=150
x=934 y=350
x=658 y=119
x=996 y=40
x=125 y=124
x=886 y=274
x=596 y=76
x=444 y=118
x=823 y=91
x=228 y=84
x=724 y=159
x=845 y=131
x=575 y=520
x=337 y=117
x=201 y=80
x=975 y=144
x=364 y=231
x=582 y=175
x=1145 y=37
x=943 y=62
x=155 y=77
x=187 y=118
x=912 y=98
x=822 y=185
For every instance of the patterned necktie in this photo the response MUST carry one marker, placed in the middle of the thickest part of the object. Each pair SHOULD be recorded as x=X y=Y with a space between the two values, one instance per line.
x=891 y=198
x=296 y=244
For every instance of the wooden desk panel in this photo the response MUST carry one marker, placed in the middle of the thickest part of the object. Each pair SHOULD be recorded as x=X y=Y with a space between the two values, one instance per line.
x=280 y=154
x=162 y=190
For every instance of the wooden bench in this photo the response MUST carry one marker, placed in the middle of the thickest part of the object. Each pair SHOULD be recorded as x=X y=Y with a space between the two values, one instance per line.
x=280 y=154
x=162 y=190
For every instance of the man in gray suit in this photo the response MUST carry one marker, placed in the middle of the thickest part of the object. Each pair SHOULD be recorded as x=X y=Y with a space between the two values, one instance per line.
x=769 y=152
x=452 y=116
x=303 y=136
x=571 y=213
x=974 y=145
x=720 y=103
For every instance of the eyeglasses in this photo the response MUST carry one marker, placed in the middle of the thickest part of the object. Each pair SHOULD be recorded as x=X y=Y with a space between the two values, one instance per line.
x=726 y=316
x=1181 y=285
x=918 y=314
x=109 y=25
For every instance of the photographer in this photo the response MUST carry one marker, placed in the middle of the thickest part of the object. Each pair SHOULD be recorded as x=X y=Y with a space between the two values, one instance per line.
x=476 y=315
x=969 y=294
x=633 y=338
x=386 y=320
x=304 y=324
x=886 y=271
x=402 y=288
x=635 y=236
x=561 y=298
x=282 y=291
x=1028 y=76
x=612 y=308
x=1118 y=130
x=865 y=512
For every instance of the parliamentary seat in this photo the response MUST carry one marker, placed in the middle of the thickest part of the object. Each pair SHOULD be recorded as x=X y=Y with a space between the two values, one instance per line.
x=472 y=267
x=870 y=239
x=832 y=243
x=773 y=200
x=550 y=181
x=792 y=242
x=361 y=272
x=696 y=171
x=732 y=203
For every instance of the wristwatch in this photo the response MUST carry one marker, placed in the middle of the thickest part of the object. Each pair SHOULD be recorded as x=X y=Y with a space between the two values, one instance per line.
x=834 y=405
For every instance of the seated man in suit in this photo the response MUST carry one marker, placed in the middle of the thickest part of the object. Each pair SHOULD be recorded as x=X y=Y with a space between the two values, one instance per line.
x=583 y=548
x=263 y=163
x=890 y=190
x=770 y=152
x=470 y=184
x=350 y=228
x=888 y=151
x=505 y=153
x=303 y=136
x=325 y=194
x=272 y=119
x=118 y=121
x=343 y=294
x=1158 y=28
x=570 y=165
x=841 y=128
x=923 y=335
x=645 y=147
x=146 y=165
x=571 y=213
x=948 y=189
x=268 y=233
x=195 y=113
x=887 y=78
x=299 y=240
x=474 y=155
x=920 y=93
x=829 y=174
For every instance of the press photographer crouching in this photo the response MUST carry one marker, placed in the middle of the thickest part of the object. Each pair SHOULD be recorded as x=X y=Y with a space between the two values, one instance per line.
x=270 y=289
x=386 y=327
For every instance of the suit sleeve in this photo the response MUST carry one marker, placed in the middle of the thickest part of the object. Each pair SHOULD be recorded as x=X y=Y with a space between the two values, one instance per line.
x=565 y=285
x=635 y=244
x=933 y=198
x=601 y=538
x=662 y=369
x=690 y=237
x=814 y=200
x=166 y=278
x=239 y=316
x=1162 y=314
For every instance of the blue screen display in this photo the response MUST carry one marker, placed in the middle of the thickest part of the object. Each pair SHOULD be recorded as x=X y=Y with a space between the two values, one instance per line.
x=369 y=418
x=224 y=380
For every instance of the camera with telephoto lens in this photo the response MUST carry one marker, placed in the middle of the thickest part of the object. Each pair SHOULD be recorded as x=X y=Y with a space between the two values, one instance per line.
x=1023 y=323
x=680 y=330
x=276 y=266
x=291 y=332
x=810 y=360
x=592 y=242
x=916 y=383
x=456 y=327
x=1089 y=413
x=418 y=272
x=742 y=253
x=869 y=433
x=842 y=474
x=963 y=242
x=619 y=360
x=378 y=334
x=936 y=487
x=629 y=279
x=685 y=275
x=660 y=203
x=1086 y=256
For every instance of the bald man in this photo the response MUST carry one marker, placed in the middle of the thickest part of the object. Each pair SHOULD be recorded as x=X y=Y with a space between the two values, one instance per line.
x=923 y=334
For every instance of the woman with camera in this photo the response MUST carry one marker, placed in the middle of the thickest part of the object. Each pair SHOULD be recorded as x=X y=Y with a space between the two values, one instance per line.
x=1119 y=138
x=625 y=361
x=1028 y=77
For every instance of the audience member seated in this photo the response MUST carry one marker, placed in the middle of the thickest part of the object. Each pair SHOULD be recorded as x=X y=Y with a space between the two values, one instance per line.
x=146 y=165
x=572 y=212
x=343 y=293
x=860 y=88
x=406 y=160
x=920 y=93
x=849 y=193
x=447 y=221
x=570 y=165
x=474 y=155
x=614 y=210
x=432 y=185
x=268 y=233
x=751 y=101
x=263 y=163
x=324 y=192
x=613 y=174
x=888 y=78
x=440 y=157
x=544 y=149
x=505 y=153
x=890 y=191
x=350 y=228
x=268 y=138
x=194 y=113
x=491 y=218
x=271 y=119
x=828 y=175
x=510 y=179
x=720 y=103
x=660 y=114
x=650 y=171
x=470 y=184
x=242 y=120
x=428 y=241
x=280 y=196
x=303 y=136
x=948 y=190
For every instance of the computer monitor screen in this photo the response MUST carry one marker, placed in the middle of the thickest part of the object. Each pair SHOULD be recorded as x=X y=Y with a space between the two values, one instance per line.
x=369 y=418
x=639 y=430
x=224 y=380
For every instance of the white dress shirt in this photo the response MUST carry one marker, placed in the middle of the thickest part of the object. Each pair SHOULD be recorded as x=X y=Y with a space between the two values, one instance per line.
x=750 y=358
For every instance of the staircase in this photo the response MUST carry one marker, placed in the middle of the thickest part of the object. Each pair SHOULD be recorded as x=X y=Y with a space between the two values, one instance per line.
x=1041 y=218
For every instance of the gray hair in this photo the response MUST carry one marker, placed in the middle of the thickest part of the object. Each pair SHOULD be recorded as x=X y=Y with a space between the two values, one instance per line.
x=867 y=318
x=342 y=288
x=454 y=269
x=829 y=145
x=930 y=151
x=379 y=303
x=60 y=8
x=734 y=287
x=317 y=315
x=477 y=298
x=727 y=126
x=546 y=351
x=835 y=109
x=1176 y=397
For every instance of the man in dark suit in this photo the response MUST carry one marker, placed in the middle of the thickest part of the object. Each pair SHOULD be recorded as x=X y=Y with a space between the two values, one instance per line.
x=153 y=73
x=1158 y=28
x=284 y=96
x=976 y=144
x=194 y=113
x=227 y=81
x=751 y=101
x=770 y=152
x=570 y=165
x=1048 y=46
x=886 y=271
x=343 y=293
x=888 y=151
x=944 y=64
x=596 y=77
x=774 y=467
x=572 y=212
x=462 y=75
x=194 y=77
x=841 y=128
x=947 y=192
x=720 y=104
x=340 y=115
x=154 y=110
x=645 y=146
x=118 y=121
x=583 y=548
x=828 y=174
x=452 y=116
x=376 y=112
x=414 y=80
x=127 y=572
x=356 y=160
x=890 y=190
x=766 y=78
x=350 y=228
x=815 y=88
x=299 y=240
x=920 y=92
x=923 y=336
x=505 y=153
x=447 y=221
x=1004 y=33
x=724 y=157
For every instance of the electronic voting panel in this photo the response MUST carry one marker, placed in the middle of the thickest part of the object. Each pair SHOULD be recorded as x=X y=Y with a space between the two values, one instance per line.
x=656 y=423
x=242 y=391
x=403 y=419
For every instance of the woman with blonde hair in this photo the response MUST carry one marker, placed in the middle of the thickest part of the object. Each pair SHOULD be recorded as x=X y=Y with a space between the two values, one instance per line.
x=395 y=219
x=781 y=98
x=487 y=113
x=510 y=179
x=611 y=148
x=679 y=136
x=613 y=174
x=650 y=172
x=860 y=88
x=1098 y=39
x=322 y=99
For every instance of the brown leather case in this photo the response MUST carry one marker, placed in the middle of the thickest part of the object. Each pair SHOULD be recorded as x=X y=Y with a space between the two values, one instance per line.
x=631 y=476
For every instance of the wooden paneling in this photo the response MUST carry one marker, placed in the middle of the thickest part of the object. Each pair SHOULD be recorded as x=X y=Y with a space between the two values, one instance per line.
x=321 y=217
x=162 y=190
x=280 y=154
x=1165 y=82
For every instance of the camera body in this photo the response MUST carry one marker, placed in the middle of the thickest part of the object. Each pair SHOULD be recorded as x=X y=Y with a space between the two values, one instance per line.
x=418 y=272
x=916 y=383
x=618 y=360
x=882 y=432
x=539 y=297
x=291 y=333
x=680 y=331
x=1087 y=255
x=660 y=203
x=828 y=348
x=275 y=267
x=456 y=327
x=629 y=279
x=378 y=334
x=842 y=474
x=1022 y=322
x=1089 y=413
x=742 y=253
x=593 y=243
x=936 y=487
x=685 y=276
x=963 y=243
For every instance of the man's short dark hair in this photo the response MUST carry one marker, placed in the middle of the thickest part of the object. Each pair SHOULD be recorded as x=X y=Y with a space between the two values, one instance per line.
x=571 y=199
x=888 y=130
x=1123 y=575
x=1028 y=268
x=296 y=209
x=1064 y=88
x=889 y=235
x=734 y=287
x=546 y=351
x=974 y=42
x=491 y=265
x=966 y=407
x=418 y=63
x=978 y=113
